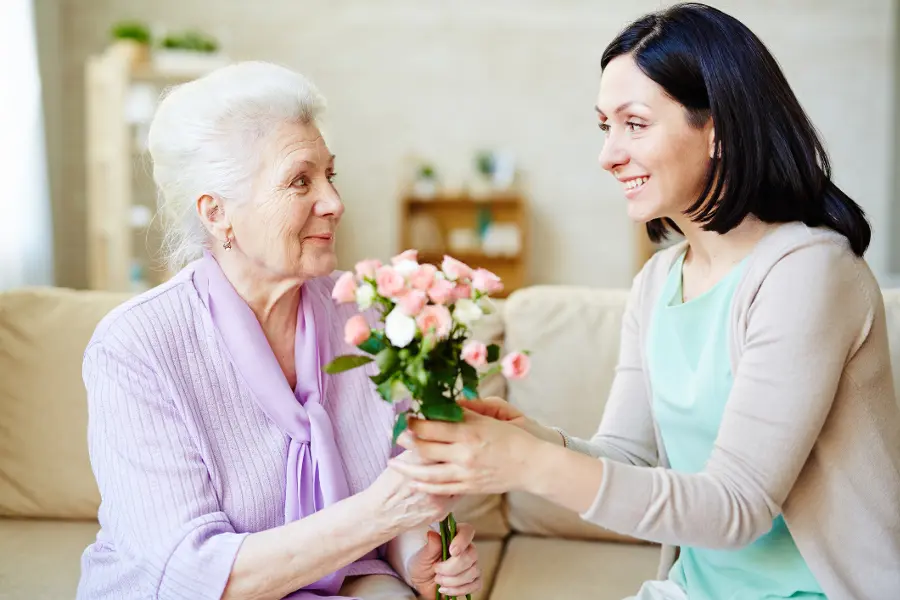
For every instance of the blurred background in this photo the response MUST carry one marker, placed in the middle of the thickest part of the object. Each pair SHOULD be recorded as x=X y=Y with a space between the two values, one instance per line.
x=490 y=99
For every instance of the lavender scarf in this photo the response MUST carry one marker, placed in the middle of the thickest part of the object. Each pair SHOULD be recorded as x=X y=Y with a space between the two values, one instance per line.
x=315 y=473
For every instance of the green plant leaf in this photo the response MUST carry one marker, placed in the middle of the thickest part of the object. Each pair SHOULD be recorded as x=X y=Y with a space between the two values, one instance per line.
x=399 y=427
x=373 y=345
x=493 y=353
x=446 y=411
x=346 y=362
x=469 y=393
x=387 y=360
x=384 y=390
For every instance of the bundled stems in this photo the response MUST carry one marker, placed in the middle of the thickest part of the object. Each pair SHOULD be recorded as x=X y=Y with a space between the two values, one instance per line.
x=448 y=532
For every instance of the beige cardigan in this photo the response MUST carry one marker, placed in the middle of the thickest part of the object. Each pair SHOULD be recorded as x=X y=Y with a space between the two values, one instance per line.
x=811 y=428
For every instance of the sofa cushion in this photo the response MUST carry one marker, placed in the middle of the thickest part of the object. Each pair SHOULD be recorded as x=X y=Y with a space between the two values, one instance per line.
x=572 y=569
x=41 y=559
x=44 y=465
x=566 y=329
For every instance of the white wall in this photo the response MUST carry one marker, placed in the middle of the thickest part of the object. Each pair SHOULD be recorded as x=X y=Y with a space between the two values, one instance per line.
x=445 y=78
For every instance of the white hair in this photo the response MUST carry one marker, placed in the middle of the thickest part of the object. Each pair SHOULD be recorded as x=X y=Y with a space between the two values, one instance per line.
x=205 y=139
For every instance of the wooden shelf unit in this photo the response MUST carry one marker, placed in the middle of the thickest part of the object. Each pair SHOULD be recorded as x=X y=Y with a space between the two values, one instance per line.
x=451 y=212
x=119 y=173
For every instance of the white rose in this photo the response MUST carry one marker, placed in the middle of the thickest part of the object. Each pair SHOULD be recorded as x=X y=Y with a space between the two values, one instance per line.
x=365 y=294
x=406 y=268
x=398 y=391
x=399 y=328
x=466 y=312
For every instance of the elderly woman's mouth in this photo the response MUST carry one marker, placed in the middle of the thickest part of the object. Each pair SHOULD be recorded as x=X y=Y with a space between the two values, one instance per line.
x=321 y=237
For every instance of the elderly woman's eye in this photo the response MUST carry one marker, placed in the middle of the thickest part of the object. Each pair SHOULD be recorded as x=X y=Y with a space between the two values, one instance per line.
x=301 y=181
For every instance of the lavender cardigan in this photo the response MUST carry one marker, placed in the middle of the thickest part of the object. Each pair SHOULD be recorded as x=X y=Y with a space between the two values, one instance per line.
x=186 y=462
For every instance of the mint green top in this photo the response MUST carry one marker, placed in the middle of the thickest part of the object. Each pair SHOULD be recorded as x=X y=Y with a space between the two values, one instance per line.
x=690 y=373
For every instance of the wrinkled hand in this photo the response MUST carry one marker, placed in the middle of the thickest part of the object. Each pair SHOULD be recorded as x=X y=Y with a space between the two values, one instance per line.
x=402 y=504
x=457 y=576
x=480 y=455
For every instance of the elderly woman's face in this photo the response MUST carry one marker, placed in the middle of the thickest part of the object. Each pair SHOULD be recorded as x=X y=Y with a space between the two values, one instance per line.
x=288 y=225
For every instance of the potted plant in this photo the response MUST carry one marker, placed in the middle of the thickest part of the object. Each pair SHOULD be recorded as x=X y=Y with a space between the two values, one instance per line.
x=190 y=50
x=132 y=39
x=425 y=184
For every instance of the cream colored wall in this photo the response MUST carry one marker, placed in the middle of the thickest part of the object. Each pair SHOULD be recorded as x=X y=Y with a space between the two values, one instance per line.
x=445 y=78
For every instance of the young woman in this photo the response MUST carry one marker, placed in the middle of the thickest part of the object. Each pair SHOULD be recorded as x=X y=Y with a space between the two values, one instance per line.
x=752 y=426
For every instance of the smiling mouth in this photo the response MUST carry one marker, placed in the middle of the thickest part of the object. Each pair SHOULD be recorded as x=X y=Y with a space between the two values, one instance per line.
x=635 y=184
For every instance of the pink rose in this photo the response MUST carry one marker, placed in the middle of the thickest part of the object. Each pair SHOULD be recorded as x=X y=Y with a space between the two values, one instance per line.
x=515 y=365
x=461 y=291
x=412 y=255
x=486 y=282
x=344 y=288
x=390 y=283
x=367 y=268
x=441 y=291
x=423 y=277
x=413 y=302
x=455 y=269
x=434 y=320
x=474 y=353
x=356 y=331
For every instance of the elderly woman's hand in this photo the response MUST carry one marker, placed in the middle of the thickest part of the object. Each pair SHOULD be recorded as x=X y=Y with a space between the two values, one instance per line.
x=401 y=506
x=479 y=455
x=457 y=576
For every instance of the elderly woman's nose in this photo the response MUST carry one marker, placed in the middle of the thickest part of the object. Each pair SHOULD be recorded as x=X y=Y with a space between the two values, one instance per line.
x=329 y=203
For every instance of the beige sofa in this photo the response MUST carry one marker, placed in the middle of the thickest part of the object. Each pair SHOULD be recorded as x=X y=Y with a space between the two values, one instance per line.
x=529 y=549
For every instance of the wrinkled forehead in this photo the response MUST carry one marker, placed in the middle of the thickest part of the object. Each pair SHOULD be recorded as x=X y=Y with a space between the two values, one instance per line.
x=295 y=145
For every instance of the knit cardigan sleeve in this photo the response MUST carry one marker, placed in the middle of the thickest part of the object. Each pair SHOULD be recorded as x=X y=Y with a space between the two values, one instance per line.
x=157 y=502
x=810 y=315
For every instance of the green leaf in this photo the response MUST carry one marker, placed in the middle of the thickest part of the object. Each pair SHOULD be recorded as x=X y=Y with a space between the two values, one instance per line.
x=446 y=411
x=373 y=345
x=470 y=393
x=387 y=360
x=493 y=353
x=399 y=427
x=346 y=362
x=469 y=374
x=384 y=390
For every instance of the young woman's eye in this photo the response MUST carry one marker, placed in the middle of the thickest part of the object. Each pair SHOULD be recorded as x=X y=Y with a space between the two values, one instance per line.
x=604 y=127
x=331 y=177
x=632 y=126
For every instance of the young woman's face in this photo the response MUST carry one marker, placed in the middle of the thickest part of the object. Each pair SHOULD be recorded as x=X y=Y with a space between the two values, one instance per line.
x=661 y=160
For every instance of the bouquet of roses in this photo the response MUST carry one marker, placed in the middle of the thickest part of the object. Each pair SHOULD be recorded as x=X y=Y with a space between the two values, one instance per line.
x=423 y=352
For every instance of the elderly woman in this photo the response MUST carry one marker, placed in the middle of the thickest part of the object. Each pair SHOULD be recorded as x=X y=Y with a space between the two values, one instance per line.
x=228 y=465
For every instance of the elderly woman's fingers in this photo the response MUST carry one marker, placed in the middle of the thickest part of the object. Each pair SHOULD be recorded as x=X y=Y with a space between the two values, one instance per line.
x=465 y=582
x=465 y=534
x=457 y=565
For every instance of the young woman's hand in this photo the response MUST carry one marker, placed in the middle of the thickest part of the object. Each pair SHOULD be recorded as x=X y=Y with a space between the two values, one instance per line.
x=480 y=455
x=500 y=409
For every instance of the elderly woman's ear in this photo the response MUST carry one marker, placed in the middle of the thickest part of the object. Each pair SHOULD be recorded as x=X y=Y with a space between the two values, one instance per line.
x=216 y=222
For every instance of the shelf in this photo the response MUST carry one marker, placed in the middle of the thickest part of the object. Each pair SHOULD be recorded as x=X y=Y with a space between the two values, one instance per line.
x=463 y=201
x=473 y=259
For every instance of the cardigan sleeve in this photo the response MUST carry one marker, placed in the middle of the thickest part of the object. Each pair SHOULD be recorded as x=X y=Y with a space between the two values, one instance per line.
x=811 y=313
x=626 y=433
x=158 y=505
